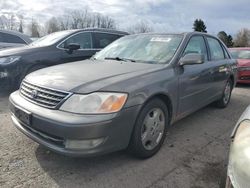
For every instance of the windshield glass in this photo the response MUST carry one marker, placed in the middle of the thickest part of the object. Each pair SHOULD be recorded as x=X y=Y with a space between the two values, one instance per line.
x=142 y=48
x=240 y=54
x=50 y=39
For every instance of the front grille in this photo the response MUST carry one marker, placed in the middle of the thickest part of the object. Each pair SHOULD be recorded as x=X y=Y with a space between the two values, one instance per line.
x=42 y=96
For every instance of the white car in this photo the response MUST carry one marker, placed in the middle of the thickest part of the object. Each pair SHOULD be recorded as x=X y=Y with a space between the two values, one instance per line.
x=238 y=172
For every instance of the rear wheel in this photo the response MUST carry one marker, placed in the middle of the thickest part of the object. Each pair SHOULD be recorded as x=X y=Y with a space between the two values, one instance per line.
x=150 y=129
x=225 y=99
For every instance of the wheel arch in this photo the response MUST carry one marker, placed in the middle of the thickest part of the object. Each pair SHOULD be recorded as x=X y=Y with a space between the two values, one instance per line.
x=167 y=101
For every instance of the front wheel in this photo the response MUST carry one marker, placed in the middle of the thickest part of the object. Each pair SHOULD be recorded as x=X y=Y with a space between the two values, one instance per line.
x=150 y=129
x=225 y=99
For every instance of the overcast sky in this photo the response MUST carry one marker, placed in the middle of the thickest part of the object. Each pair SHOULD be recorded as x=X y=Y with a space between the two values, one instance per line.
x=162 y=15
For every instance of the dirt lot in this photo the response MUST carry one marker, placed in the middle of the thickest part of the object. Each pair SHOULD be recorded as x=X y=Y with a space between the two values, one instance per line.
x=192 y=155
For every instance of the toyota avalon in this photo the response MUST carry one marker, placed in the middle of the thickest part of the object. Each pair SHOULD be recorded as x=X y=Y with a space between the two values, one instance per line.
x=126 y=96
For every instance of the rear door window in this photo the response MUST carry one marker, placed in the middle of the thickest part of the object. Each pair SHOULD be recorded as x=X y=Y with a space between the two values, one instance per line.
x=83 y=39
x=9 y=38
x=101 y=40
x=215 y=48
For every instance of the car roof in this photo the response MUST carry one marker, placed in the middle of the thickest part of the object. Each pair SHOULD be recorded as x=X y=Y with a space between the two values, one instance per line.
x=113 y=31
x=26 y=38
x=181 y=33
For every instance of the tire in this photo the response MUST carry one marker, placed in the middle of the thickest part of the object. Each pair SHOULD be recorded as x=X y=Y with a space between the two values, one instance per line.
x=225 y=99
x=150 y=129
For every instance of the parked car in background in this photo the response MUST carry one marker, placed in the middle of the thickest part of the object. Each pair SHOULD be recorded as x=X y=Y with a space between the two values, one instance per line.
x=238 y=173
x=56 y=48
x=126 y=95
x=10 y=39
x=243 y=58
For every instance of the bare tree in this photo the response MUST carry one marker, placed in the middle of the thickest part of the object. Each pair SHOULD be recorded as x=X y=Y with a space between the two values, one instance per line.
x=34 y=28
x=52 y=25
x=242 y=38
x=82 y=19
x=20 y=29
x=140 y=27
x=64 y=22
x=9 y=22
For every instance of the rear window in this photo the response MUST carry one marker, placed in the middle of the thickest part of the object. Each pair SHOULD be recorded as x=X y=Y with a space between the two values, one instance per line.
x=9 y=38
x=240 y=54
x=101 y=40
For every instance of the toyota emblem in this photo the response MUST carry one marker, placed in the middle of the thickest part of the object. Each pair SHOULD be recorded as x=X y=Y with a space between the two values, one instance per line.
x=34 y=94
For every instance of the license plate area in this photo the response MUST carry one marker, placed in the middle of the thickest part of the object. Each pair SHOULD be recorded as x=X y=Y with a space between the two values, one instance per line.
x=23 y=116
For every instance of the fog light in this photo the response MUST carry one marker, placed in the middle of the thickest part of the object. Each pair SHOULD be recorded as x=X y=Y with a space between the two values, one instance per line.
x=83 y=144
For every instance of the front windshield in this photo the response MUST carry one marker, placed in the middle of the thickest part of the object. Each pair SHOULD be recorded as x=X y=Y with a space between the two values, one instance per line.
x=50 y=39
x=240 y=54
x=142 y=48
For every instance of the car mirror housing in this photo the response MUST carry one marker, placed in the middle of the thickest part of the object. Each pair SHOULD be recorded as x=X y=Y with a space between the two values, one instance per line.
x=73 y=46
x=192 y=59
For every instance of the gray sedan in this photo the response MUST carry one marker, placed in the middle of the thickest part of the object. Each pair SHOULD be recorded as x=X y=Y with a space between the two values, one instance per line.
x=126 y=96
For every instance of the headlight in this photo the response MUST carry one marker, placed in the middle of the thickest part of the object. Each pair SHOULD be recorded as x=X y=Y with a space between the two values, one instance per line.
x=244 y=68
x=239 y=160
x=8 y=60
x=95 y=103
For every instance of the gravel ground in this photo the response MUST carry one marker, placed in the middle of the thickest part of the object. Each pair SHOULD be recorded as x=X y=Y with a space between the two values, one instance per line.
x=193 y=155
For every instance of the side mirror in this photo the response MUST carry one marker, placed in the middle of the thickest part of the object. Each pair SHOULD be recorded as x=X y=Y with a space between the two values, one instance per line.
x=192 y=59
x=72 y=46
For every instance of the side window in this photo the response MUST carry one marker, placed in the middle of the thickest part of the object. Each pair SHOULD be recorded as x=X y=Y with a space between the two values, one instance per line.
x=216 y=50
x=196 y=45
x=83 y=39
x=101 y=40
x=12 y=38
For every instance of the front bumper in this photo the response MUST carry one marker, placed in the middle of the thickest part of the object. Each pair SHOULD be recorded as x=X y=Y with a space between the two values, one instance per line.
x=52 y=128
x=244 y=76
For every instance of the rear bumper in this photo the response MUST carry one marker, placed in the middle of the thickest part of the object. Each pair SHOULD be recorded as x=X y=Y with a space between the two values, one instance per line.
x=52 y=128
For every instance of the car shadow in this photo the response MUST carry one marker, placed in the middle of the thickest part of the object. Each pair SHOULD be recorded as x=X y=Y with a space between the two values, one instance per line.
x=178 y=150
x=243 y=85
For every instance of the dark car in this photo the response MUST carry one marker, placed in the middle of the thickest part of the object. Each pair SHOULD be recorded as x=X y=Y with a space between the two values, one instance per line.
x=243 y=59
x=127 y=95
x=56 y=48
x=10 y=39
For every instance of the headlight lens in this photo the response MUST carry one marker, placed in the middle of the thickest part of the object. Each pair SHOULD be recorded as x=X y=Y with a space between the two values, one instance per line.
x=242 y=133
x=8 y=60
x=239 y=160
x=95 y=103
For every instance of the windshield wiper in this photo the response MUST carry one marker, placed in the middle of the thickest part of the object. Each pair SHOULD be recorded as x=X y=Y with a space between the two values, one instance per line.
x=120 y=59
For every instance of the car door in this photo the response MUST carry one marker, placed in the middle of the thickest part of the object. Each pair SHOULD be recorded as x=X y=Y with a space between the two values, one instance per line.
x=218 y=59
x=84 y=39
x=194 y=80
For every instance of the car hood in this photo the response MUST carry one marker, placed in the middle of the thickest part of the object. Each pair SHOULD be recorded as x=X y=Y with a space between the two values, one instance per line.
x=243 y=62
x=88 y=76
x=18 y=50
